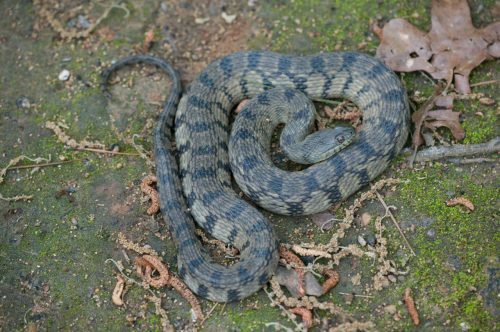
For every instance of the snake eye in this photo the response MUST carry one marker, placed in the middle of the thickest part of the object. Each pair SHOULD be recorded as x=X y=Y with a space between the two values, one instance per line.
x=340 y=138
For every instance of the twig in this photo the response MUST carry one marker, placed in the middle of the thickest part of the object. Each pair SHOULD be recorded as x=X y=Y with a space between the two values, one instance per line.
x=472 y=160
x=357 y=295
x=43 y=165
x=208 y=314
x=388 y=211
x=327 y=101
x=484 y=83
x=458 y=150
x=419 y=116
x=108 y=151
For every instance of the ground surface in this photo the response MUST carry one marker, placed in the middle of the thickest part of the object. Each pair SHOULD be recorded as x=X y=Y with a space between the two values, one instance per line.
x=53 y=248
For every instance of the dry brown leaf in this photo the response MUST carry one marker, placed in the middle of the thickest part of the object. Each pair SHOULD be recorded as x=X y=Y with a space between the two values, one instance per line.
x=444 y=101
x=419 y=116
x=410 y=305
x=445 y=118
x=452 y=48
x=148 y=40
x=306 y=314
x=118 y=291
x=460 y=201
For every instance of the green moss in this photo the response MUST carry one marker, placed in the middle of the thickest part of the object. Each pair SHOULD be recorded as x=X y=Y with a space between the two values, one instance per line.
x=461 y=238
x=311 y=26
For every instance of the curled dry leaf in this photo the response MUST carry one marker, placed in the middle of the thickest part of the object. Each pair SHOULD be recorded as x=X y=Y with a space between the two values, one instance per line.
x=241 y=105
x=116 y=298
x=306 y=315
x=410 y=305
x=146 y=188
x=148 y=40
x=445 y=118
x=451 y=49
x=291 y=258
x=444 y=101
x=289 y=279
x=460 y=201
x=332 y=281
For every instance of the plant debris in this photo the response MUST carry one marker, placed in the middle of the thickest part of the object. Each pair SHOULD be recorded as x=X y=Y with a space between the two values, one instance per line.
x=146 y=188
x=450 y=50
x=306 y=315
x=460 y=201
x=291 y=258
x=14 y=162
x=64 y=138
x=146 y=264
x=459 y=150
x=52 y=13
x=118 y=291
x=410 y=305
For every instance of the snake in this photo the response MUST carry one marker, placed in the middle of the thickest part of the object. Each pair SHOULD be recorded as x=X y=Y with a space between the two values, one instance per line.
x=195 y=160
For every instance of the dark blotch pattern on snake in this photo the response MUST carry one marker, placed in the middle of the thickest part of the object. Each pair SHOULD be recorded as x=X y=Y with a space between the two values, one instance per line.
x=202 y=132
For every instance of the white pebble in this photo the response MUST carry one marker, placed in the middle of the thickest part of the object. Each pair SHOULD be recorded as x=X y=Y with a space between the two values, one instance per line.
x=361 y=241
x=228 y=18
x=201 y=20
x=64 y=75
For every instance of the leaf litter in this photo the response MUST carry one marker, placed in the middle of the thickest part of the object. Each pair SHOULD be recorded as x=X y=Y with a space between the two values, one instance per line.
x=450 y=50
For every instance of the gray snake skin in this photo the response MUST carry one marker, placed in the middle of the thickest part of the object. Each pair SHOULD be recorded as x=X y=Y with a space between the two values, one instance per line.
x=202 y=133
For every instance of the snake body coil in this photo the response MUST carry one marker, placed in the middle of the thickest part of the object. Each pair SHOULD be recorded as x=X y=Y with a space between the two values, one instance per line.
x=202 y=134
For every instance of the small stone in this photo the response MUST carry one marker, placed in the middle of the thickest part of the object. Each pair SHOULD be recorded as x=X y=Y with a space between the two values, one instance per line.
x=23 y=102
x=228 y=18
x=119 y=165
x=431 y=233
x=74 y=221
x=390 y=309
x=366 y=218
x=392 y=278
x=114 y=147
x=201 y=20
x=83 y=22
x=371 y=240
x=64 y=75
x=453 y=263
x=361 y=240
x=62 y=158
x=465 y=326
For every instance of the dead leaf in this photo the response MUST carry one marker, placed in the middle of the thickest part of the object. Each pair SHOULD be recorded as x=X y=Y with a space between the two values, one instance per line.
x=419 y=116
x=118 y=291
x=290 y=279
x=306 y=314
x=444 y=101
x=240 y=106
x=366 y=218
x=148 y=40
x=445 y=118
x=452 y=48
x=460 y=201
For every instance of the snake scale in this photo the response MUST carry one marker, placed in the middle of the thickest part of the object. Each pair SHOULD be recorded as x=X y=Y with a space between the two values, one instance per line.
x=194 y=177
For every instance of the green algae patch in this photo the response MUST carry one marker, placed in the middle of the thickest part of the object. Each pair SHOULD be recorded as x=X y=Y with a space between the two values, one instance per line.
x=312 y=26
x=449 y=270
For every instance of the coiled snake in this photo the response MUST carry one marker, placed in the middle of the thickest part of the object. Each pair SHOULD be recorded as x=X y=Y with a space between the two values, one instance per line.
x=202 y=134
